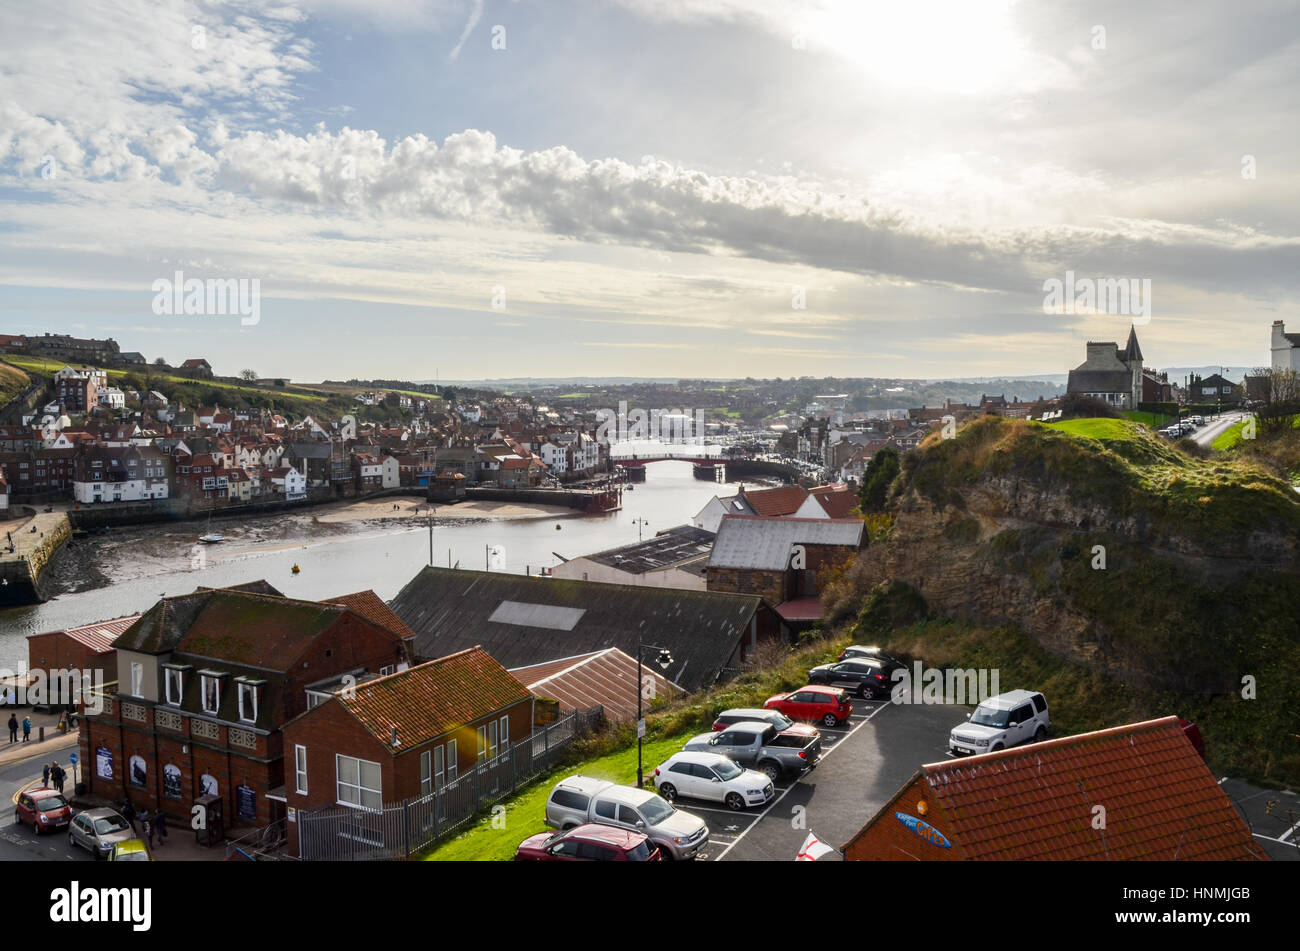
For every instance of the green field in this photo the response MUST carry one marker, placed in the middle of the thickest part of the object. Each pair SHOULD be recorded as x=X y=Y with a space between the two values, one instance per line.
x=1154 y=420
x=525 y=814
x=1107 y=430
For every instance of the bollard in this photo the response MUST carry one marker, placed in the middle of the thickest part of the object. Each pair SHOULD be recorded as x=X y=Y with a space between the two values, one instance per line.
x=41 y=737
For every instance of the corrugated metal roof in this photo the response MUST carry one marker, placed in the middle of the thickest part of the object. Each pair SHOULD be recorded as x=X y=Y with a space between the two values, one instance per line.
x=758 y=543
x=99 y=636
x=451 y=610
x=675 y=546
x=607 y=678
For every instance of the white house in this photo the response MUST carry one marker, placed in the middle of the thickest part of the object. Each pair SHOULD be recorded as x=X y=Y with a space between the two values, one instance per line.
x=555 y=457
x=288 y=483
x=1286 y=348
x=391 y=477
x=112 y=397
x=122 y=474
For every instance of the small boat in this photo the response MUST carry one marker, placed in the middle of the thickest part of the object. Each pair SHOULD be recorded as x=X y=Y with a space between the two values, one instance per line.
x=212 y=538
x=296 y=569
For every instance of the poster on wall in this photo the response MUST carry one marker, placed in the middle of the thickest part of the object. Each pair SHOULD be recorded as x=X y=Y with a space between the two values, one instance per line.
x=104 y=763
x=208 y=785
x=172 y=781
x=139 y=770
x=246 y=802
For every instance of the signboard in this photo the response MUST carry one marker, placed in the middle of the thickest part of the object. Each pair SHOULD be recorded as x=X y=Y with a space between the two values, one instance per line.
x=640 y=728
x=246 y=802
x=139 y=771
x=172 y=781
x=72 y=758
x=924 y=831
x=104 y=763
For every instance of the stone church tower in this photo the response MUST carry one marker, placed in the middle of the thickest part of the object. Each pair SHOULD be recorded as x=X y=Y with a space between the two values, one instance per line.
x=1133 y=358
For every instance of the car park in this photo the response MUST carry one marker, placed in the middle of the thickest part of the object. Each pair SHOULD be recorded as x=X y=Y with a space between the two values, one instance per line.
x=44 y=809
x=592 y=842
x=866 y=676
x=829 y=706
x=713 y=777
x=579 y=800
x=98 y=830
x=1008 y=719
x=762 y=746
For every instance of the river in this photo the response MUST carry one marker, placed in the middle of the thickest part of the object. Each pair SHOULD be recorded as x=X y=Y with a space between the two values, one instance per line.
x=127 y=570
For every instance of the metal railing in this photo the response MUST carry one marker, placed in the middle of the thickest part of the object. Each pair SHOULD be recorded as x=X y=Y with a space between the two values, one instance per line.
x=400 y=830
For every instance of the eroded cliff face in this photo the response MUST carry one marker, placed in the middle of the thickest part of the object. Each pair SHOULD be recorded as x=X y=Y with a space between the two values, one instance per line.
x=1013 y=550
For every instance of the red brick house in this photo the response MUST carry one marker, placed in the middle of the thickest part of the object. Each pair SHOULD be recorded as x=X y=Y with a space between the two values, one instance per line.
x=205 y=682
x=86 y=649
x=402 y=736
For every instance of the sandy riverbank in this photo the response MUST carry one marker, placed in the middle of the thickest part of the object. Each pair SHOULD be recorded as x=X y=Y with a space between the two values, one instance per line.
x=385 y=509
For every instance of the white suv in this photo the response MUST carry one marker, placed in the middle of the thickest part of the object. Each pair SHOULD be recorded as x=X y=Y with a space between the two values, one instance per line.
x=582 y=799
x=714 y=777
x=1002 y=721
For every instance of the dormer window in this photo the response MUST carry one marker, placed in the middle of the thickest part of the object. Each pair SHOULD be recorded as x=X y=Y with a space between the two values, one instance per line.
x=249 y=690
x=174 y=684
x=210 y=682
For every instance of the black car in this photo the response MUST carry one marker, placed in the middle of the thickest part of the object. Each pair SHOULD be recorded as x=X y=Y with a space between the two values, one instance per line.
x=867 y=676
x=875 y=653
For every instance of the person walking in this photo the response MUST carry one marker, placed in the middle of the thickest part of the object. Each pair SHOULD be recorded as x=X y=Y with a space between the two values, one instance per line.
x=45 y=775
x=27 y=729
x=146 y=827
x=13 y=728
x=58 y=775
x=160 y=826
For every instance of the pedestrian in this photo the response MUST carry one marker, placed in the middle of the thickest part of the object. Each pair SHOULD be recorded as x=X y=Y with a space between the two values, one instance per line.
x=58 y=775
x=13 y=728
x=128 y=813
x=27 y=729
x=45 y=775
x=146 y=827
x=160 y=826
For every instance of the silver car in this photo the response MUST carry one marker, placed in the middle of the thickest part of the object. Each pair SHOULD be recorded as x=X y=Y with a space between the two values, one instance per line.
x=98 y=830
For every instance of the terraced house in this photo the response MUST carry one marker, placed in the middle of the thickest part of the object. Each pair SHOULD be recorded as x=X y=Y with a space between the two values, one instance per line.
x=206 y=681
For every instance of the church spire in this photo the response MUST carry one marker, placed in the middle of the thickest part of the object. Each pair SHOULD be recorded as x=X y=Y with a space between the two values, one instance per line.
x=1132 y=351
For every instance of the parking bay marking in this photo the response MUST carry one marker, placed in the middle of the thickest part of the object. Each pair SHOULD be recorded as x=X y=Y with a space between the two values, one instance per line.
x=762 y=815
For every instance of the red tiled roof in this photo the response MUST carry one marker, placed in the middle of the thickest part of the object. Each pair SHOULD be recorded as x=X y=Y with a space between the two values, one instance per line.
x=431 y=699
x=1037 y=801
x=801 y=609
x=372 y=607
x=606 y=678
x=782 y=500
x=837 y=500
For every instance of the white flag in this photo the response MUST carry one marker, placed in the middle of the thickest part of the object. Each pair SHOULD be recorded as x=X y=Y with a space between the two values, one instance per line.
x=813 y=848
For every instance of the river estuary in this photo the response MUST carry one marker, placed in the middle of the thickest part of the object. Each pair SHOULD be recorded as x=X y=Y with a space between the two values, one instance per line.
x=125 y=571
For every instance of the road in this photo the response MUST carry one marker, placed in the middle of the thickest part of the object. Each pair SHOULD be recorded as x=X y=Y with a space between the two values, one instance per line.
x=1214 y=428
x=19 y=843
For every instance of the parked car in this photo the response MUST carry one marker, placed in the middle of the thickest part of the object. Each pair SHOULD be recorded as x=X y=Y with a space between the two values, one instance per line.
x=591 y=842
x=762 y=746
x=741 y=714
x=866 y=676
x=98 y=830
x=44 y=809
x=713 y=777
x=860 y=650
x=130 y=850
x=580 y=799
x=1005 y=720
x=828 y=705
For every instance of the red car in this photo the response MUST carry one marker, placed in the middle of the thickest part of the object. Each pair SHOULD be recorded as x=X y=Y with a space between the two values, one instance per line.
x=830 y=705
x=45 y=810
x=591 y=843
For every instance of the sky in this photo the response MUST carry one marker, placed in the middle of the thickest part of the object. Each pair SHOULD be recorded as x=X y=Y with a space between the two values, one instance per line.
x=667 y=188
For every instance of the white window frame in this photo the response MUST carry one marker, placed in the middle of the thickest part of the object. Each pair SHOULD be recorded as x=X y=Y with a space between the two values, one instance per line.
x=300 y=769
x=251 y=691
x=137 y=679
x=453 y=761
x=179 y=675
x=426 y=772
x=203 y=698
x=376 y=793
x=504 y=739
x=439 y=767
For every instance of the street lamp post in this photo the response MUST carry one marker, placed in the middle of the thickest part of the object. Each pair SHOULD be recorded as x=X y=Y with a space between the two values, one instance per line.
x=664 y=660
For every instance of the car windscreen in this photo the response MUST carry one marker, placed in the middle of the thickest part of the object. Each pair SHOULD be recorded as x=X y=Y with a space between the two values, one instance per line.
x=655 y=810
x=51 y=804
x=727 y=770
x=110 y=824
x=991 y=716
x=639 y=853
x=782 y=722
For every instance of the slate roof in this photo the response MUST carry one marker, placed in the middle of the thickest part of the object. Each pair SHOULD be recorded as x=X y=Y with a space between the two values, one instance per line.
x=434 y=698
x=605 y=678
x=764 y=544
x=541 y=619
x=1035 y=802
x=675 y=546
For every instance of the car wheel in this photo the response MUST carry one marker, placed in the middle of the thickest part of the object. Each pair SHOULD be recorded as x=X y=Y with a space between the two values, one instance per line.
x=864 y=691
x=72 y=840
x=770 y=769
x=668 y=791
x=18 y=820
x=995 y=747
x=735 y=801
x=1040 y=734
x=830 y=720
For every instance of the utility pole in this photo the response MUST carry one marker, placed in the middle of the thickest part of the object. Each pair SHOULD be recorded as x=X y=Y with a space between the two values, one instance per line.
x=432 y=510
x=640 y=523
